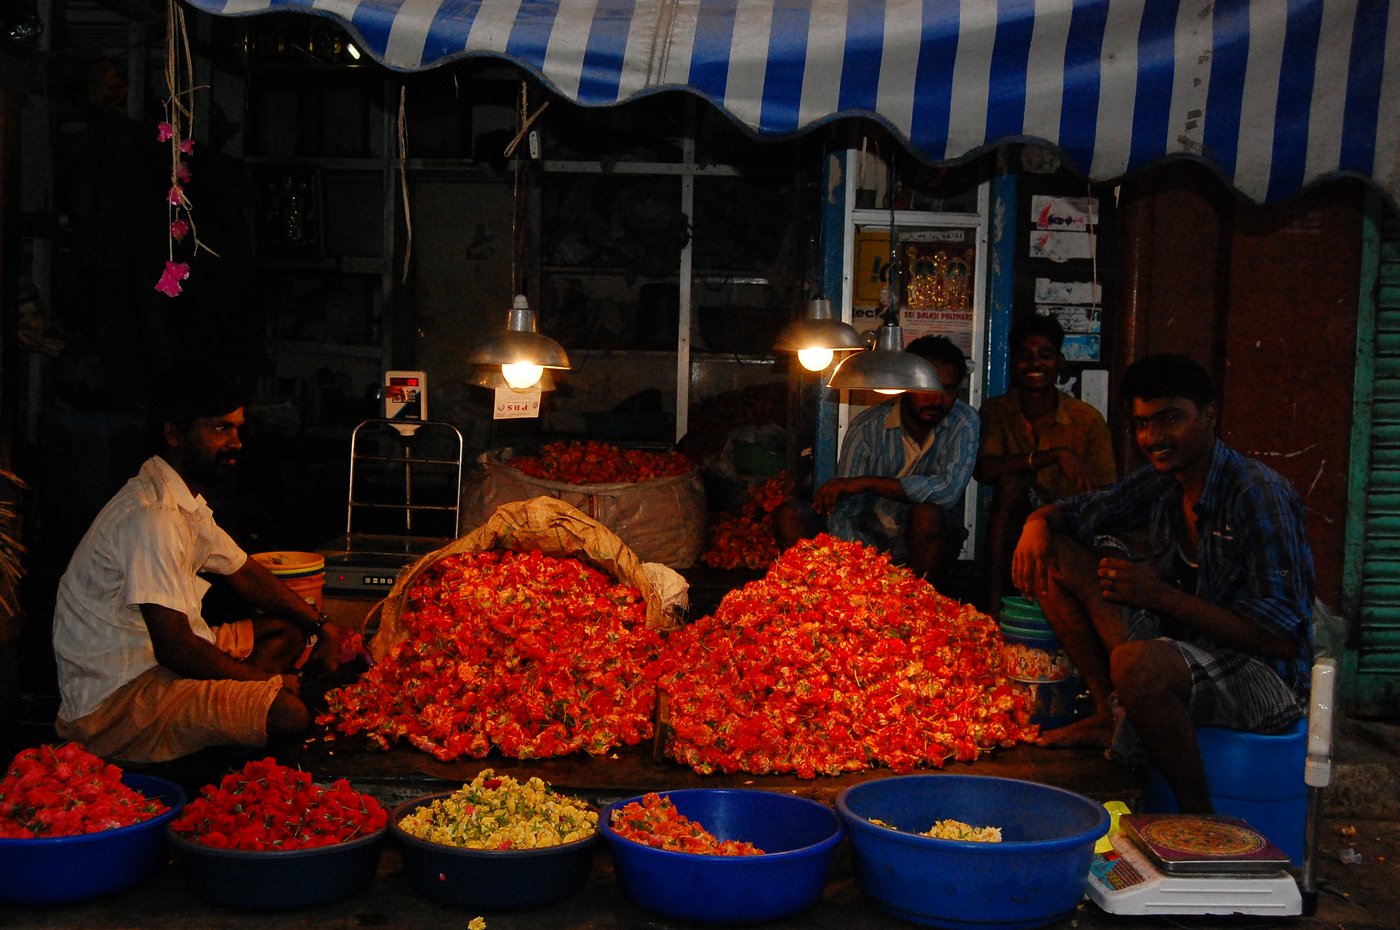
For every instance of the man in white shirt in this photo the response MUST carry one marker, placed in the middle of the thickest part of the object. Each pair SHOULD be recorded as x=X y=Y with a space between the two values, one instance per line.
x=143 y=677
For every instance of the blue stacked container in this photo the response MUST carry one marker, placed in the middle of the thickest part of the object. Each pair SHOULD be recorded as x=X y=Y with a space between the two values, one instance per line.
x=1035 y=660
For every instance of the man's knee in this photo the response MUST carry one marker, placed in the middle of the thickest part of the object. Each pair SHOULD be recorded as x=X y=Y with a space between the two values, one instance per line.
x=794 y=520
x=1144 y=670
x=928 y=521
x=1010 y=496
x=287 y=718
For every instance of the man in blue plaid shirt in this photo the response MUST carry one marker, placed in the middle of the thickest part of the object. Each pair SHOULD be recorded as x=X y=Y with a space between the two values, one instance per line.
x=904 y=467
x=1208 y=623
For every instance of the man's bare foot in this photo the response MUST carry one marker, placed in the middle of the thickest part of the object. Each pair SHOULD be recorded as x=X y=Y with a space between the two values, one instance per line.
x=1094 y=732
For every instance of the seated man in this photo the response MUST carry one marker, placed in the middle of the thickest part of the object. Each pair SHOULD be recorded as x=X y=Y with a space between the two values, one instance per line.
x=1038 y=444
x=142 y=677
x=1209 y=623
x=903 y=469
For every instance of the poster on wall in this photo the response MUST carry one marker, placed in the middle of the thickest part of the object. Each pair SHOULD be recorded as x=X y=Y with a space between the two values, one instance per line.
x=1075 y=304
x=872 y=263
x=1070 y=214
x=940 y=266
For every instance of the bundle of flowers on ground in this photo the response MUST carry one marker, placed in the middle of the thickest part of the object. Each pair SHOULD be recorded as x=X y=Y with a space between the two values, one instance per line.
x=65 y=790
x=592 y=462
x=835 y=661
x=745 y=539
x=533 y=654
x=266 y=806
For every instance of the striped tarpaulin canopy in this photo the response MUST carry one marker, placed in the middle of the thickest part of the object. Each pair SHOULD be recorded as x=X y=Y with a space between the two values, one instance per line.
x=1275 y=94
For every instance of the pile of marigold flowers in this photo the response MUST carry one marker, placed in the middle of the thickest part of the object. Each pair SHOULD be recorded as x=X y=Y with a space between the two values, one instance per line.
x=532 y=654
x=268 y=806
x=745 y=539
x=835 y=661
x=654 y=821
x=65 y=790
x=592 y=462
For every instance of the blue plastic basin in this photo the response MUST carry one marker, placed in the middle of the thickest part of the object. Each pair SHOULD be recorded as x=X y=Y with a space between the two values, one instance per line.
x=1035 y=876
x=66 y=869
x=796 y=834
x=279 y=880
x=491 y=879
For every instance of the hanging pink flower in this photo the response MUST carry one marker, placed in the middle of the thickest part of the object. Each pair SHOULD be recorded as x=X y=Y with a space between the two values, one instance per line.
x=182 y=171
x=179 y=230
x=187 y=146
x=176 y=195
x=164 y=132
x=169 y=283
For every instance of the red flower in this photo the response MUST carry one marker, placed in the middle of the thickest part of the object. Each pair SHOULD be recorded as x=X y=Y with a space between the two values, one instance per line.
x=535 y=655
x=267 y=806
x=182 y=171
x=186 y=146
x=593 y=462
x=169 y=283
x=179 y=229
x=164 y=132
x=65 y=790
x=834 y=661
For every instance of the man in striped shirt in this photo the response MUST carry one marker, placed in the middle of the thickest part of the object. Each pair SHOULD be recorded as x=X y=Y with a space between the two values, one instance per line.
x=904 y=467
x=1208 y=623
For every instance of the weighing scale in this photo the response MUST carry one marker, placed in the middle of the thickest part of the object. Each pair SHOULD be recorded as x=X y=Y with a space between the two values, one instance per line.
x=1192 y=864
x=367 y=563
x=1184 y=864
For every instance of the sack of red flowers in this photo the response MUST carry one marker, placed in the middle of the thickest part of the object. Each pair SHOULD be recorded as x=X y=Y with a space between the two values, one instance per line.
x=267 y=838
x=73 y=827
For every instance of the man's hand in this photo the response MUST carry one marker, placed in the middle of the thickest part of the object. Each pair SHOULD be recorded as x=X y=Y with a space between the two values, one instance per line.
x=829 y=494
x=1130 y=584
x=1033 y=559
x=1075 y=469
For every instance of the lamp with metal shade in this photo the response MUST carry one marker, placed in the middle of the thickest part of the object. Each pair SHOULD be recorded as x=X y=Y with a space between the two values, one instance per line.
x=522 y=352
x=489 y=376
x=818 y=336
x=887 y=368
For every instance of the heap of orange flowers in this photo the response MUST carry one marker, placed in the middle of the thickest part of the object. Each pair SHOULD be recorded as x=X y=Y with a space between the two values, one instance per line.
x=745 y=539
x=593 y=462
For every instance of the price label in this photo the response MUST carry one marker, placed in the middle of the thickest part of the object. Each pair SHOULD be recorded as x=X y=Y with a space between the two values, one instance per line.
x=517 y=405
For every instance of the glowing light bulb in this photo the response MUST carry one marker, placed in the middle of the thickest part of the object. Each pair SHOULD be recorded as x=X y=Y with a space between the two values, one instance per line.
x=354 y=52
x=521 y=375
x=815 y=359
x=889 y=390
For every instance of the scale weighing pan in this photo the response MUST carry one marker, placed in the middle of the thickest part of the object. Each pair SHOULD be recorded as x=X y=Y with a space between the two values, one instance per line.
x=1195 y=844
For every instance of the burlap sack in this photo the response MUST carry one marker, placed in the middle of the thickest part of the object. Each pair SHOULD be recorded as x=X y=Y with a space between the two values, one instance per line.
x=662 y=519
x=555 y=528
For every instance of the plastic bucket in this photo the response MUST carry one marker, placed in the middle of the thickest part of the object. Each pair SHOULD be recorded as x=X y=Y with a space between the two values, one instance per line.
x=303 y=572
x=1034 y=658
x=1276 y=806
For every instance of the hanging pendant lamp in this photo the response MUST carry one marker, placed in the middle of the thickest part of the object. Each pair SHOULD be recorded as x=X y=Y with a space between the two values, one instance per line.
x=489 y=376
x=887 y=368
x=521 y=352
x=818 y=336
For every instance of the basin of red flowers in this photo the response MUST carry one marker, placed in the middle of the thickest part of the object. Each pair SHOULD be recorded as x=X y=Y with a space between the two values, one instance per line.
x=268 y=838
x=74 y=828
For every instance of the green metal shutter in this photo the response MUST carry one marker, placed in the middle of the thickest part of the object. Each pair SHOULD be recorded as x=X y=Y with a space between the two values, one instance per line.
x=1373 y=556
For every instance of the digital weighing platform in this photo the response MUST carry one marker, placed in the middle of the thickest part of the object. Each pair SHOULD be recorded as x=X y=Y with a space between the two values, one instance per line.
x=1183 y=864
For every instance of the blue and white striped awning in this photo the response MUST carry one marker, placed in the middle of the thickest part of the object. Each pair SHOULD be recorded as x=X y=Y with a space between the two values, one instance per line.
x=1275 y=94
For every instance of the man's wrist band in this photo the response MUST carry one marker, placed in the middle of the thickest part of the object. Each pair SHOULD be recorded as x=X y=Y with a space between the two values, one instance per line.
x=320 y=622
